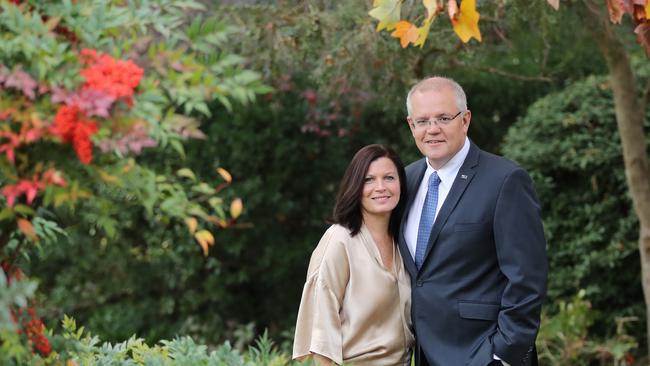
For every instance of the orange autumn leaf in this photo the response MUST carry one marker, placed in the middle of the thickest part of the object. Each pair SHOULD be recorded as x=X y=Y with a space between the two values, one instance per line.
x=616 y=11
x=406 y=32
x=236 y=208
x=466 y=23
x=27 y=228
x=647 y=10
x=224 y=174
x=205 y=239
x=191 y=223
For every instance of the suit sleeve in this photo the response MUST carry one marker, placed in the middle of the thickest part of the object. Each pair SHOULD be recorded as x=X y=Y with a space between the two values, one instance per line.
x=318 y=328
x=521 y=254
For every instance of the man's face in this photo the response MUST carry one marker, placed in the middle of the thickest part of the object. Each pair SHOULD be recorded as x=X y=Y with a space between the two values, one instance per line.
x=437 y=141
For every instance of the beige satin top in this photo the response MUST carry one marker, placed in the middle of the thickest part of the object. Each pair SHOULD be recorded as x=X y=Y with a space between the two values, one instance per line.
x=353 y=309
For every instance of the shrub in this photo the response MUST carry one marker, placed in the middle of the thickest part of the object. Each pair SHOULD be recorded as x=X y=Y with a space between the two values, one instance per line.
x=569 y=143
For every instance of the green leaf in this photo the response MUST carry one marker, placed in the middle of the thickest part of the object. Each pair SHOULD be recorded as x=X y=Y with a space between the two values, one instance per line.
x=6 y=214
x=187 y=173
x=24 y=209
x=387 y=12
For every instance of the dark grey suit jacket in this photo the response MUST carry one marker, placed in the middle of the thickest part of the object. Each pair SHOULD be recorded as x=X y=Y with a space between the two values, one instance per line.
x=480 y=289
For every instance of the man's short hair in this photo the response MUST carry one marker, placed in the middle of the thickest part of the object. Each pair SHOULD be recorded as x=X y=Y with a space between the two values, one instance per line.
x=438 y=83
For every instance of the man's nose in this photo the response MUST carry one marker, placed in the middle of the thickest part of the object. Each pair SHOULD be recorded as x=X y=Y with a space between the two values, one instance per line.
x=433 y=128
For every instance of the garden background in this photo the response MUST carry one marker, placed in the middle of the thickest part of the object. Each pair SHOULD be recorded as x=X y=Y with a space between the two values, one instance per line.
x=167 y=167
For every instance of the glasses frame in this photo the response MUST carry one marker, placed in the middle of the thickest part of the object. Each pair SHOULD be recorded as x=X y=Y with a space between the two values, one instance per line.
x=440 y=121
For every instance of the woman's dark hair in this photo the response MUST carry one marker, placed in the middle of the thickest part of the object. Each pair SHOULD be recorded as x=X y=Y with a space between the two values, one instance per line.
x=347 y=210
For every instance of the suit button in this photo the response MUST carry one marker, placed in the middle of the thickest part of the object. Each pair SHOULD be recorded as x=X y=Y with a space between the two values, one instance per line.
x=418 y=283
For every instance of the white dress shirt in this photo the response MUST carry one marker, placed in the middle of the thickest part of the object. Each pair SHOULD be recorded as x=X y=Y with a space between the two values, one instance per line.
x=447 y=174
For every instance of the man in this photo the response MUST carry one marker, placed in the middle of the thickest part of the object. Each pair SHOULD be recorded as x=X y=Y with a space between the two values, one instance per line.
x=473 y=229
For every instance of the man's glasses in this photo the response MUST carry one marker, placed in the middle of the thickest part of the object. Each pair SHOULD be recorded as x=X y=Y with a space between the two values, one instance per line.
x=439 y=121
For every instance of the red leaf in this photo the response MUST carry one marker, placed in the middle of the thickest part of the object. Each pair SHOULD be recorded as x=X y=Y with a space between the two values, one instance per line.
x=29 y=188
x=8 y=147
x=10 y=192
x=27 y=228
x=643 y=36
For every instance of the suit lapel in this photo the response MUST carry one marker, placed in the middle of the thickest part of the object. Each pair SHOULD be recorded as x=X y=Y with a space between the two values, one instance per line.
x=463 y=178
x=413 y=181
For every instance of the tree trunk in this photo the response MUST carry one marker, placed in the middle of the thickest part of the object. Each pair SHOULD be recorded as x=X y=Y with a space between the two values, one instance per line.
x=630 y=115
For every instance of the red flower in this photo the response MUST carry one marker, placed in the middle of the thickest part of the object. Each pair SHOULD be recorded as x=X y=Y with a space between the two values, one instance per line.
x=71 y=125
x=117 y=78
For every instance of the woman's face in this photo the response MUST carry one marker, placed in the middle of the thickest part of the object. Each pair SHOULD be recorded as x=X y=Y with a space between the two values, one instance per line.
x=381 y=189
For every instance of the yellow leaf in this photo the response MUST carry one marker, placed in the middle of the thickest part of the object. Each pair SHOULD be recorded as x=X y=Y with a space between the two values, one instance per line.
x=466 y=24
x=236 y=208
x=423 y=33
x=205 y=239
x=647 y=10
x=27 y=228
x=52 y=23
x=191 y=223
x=111 y=179
x=224 y=174
x=387 y=12
x=431 y=6
x=554 y=3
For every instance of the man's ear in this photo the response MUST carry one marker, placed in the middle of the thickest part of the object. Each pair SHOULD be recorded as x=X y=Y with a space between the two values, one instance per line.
x=467 y=119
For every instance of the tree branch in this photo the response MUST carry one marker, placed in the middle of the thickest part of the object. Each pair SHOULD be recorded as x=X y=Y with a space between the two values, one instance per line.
x=540 y=78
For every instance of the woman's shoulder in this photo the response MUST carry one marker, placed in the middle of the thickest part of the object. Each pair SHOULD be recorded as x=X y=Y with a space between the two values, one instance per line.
x=332 y=247
x=338 y=231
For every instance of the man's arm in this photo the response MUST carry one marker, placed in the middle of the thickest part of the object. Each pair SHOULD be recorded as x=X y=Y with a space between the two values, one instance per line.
x=521 y=253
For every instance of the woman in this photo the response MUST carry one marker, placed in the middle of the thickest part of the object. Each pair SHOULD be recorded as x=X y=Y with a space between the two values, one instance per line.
x=355 y=305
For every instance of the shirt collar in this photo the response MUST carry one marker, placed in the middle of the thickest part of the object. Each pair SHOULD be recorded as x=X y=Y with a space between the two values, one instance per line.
x=447 y=172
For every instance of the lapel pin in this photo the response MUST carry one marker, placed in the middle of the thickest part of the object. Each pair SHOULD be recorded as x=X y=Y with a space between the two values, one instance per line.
x=463 y=176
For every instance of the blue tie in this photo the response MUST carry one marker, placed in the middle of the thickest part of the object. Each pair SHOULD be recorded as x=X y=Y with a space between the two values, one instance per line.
x=426 y=218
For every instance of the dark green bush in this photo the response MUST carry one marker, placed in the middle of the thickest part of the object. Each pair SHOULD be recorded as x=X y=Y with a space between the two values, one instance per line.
x=569 y=143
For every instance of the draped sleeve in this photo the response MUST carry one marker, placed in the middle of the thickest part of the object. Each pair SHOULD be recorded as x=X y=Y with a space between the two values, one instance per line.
x=318 y=328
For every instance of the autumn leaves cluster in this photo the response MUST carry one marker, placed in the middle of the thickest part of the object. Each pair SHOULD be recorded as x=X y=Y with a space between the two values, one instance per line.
x=465 y=18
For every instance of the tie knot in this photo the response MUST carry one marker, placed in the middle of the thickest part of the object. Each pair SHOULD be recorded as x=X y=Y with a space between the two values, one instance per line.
x=434 y=180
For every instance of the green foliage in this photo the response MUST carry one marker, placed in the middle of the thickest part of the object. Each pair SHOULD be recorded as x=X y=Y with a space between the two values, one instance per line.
x=569 y=143
x=84 y=349
x=563 y=338
x=14 y=293
x=111 y=231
